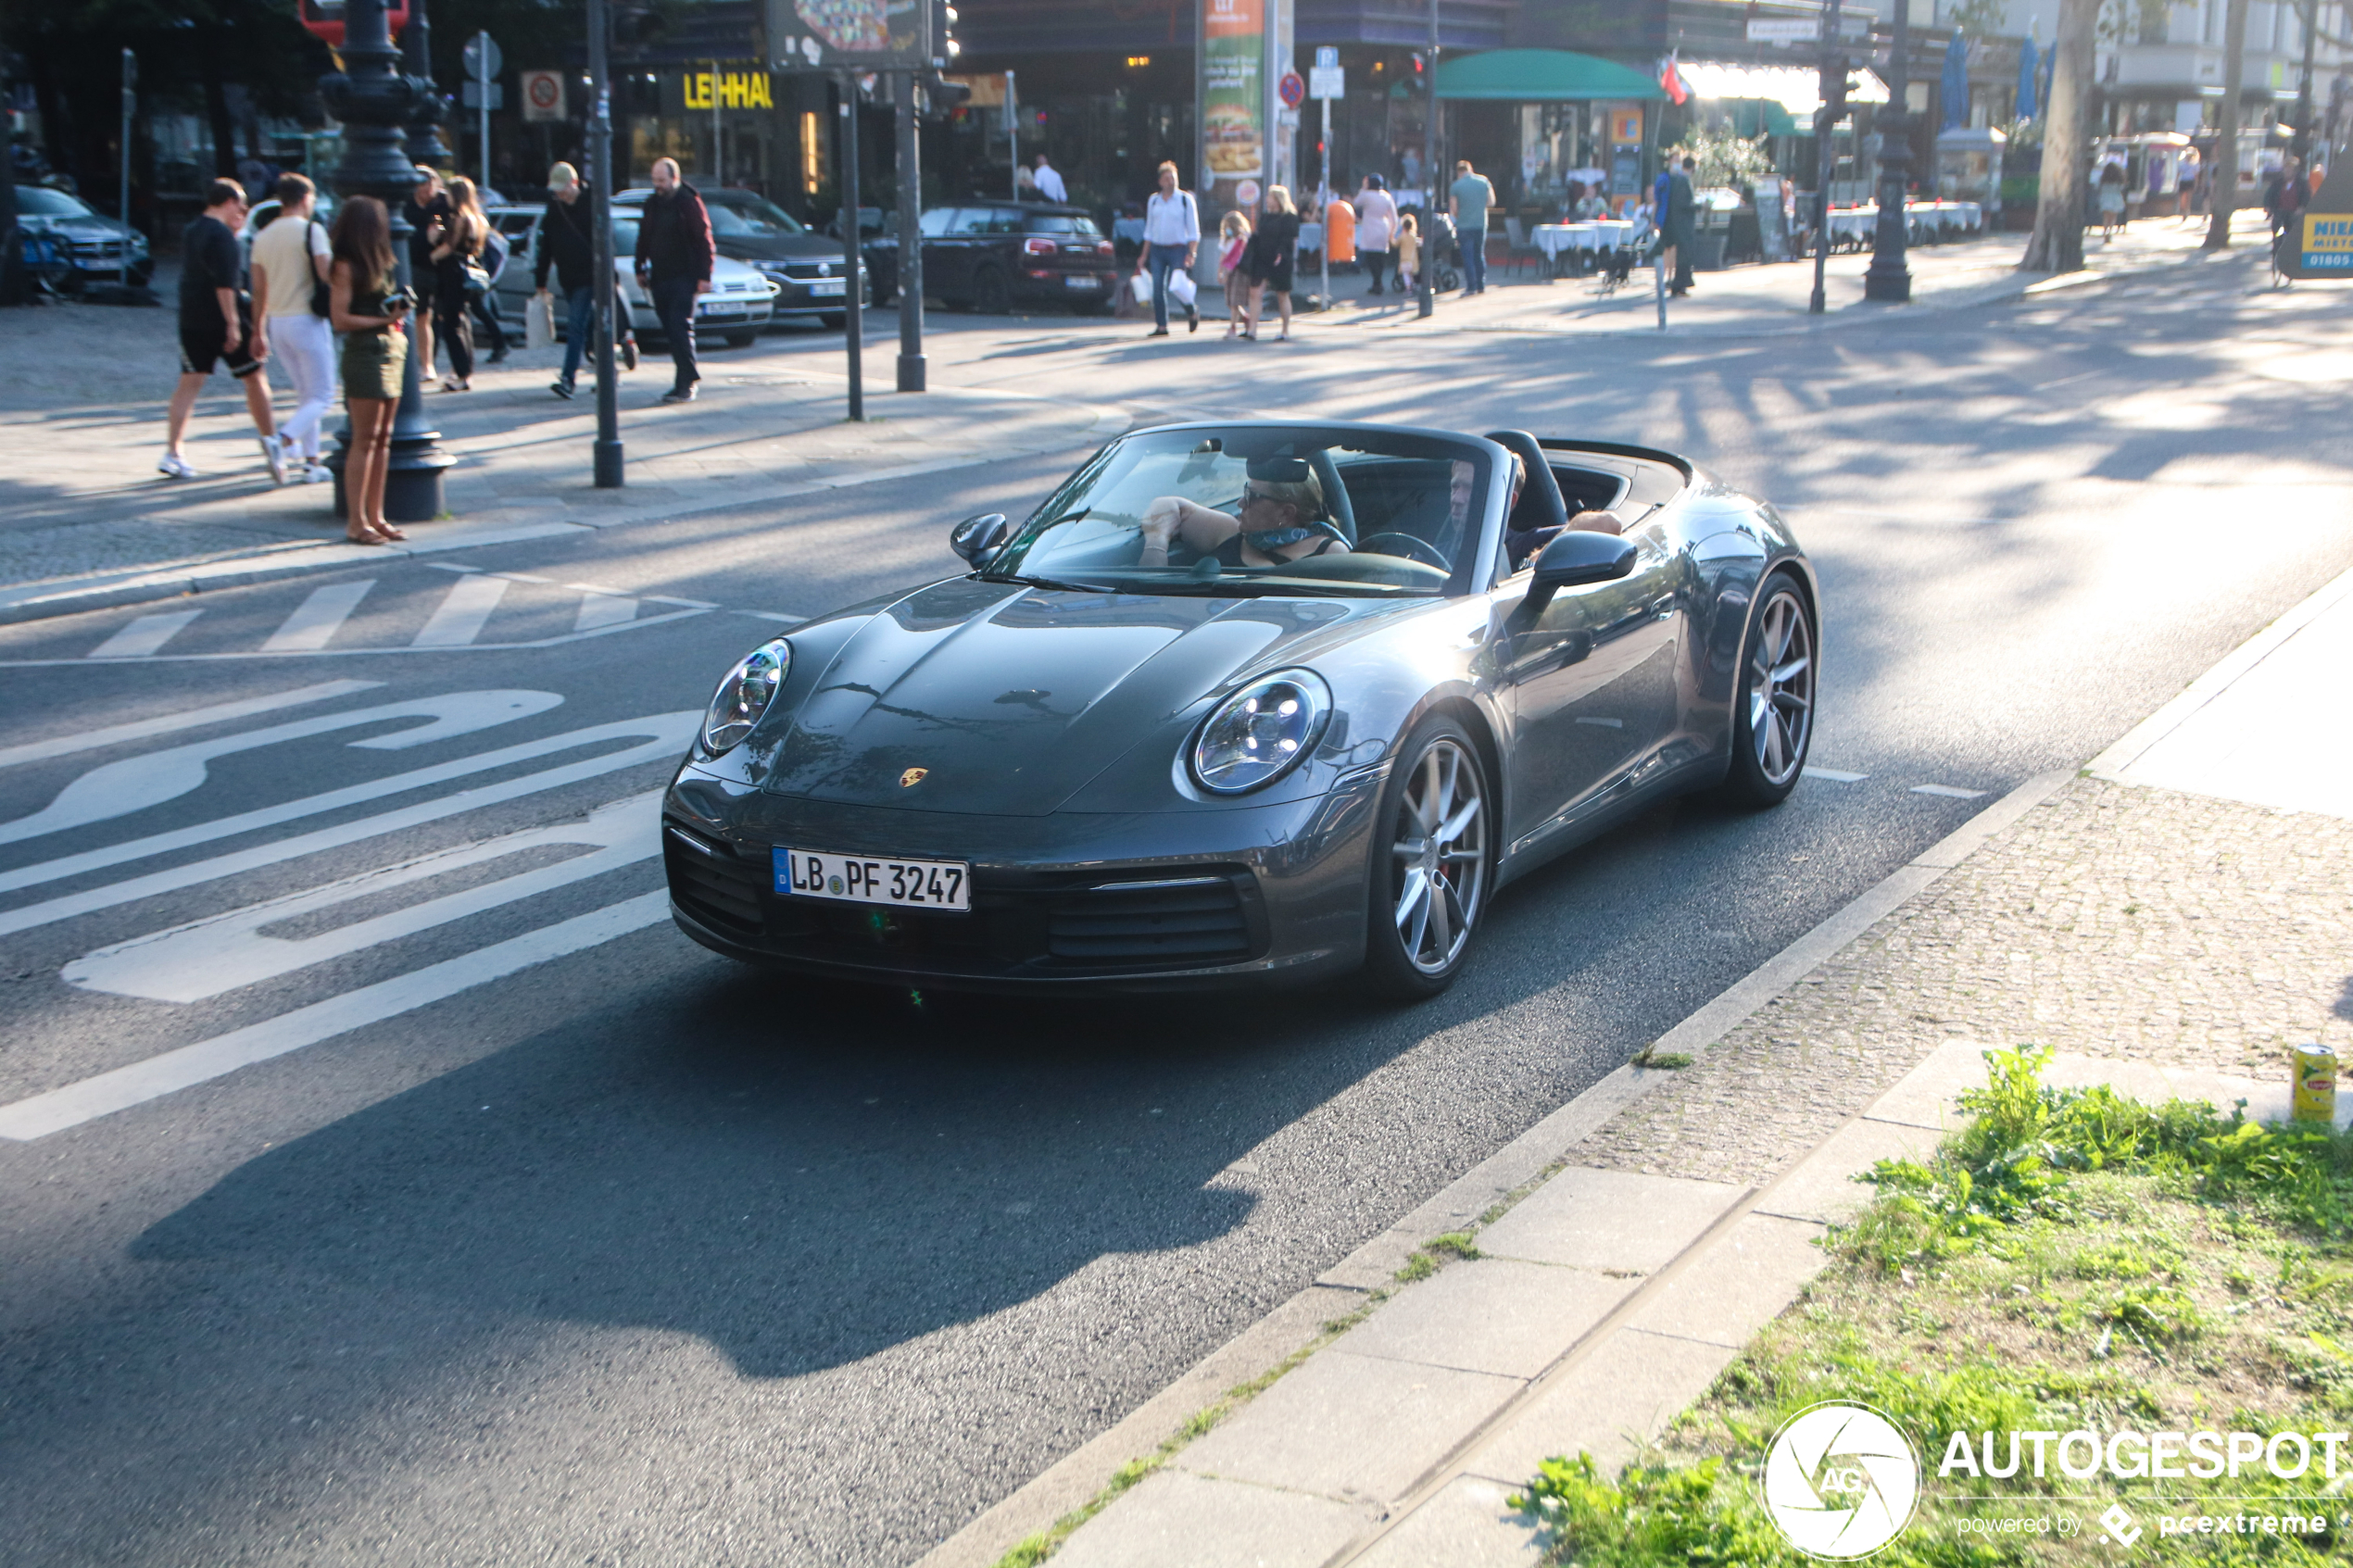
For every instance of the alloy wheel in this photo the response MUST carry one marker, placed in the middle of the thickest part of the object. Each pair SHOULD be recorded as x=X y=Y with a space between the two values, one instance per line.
x=1780 y=688
x=1441 y=855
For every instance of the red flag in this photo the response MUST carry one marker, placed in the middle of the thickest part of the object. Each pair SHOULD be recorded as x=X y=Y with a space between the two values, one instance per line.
x=1671 y=80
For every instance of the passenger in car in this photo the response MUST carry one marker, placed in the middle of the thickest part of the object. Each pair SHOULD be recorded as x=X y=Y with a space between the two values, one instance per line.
x=1528 y=526
x=1283 y=518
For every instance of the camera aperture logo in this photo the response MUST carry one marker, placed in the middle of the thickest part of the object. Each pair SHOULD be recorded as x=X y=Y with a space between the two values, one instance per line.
x=1841 y=1480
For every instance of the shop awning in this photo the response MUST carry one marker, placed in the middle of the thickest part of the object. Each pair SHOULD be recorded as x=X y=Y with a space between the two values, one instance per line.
x=1797 y=89
x=1541 y=76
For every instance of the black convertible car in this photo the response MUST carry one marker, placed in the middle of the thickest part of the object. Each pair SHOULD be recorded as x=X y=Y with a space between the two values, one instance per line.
x=1246 y=702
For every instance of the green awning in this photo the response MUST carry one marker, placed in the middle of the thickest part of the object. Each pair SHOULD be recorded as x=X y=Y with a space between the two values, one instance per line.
x=1540 y=75
x=1757 y=116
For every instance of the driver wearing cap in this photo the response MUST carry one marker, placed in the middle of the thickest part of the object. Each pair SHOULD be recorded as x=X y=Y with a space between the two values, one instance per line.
x=1282 y=520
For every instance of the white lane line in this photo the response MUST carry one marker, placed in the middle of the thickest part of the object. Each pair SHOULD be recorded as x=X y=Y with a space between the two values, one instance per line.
x=222 y=952
x=317 y=620
x=144 y=636
x=139 y=782
x=664 y=736
x=599 y=610
x=463 y=609
x=772 y=615
x=193 y=718
x=107 y=1093
x=1948 y=792
x=1834 y=776
x=690 y=604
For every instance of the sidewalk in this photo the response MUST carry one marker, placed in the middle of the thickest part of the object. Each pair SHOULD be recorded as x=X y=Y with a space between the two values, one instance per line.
x=2171 y=919
x=84 y=521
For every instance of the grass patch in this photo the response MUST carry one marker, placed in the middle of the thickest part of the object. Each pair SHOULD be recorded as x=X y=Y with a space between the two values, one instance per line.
x=2070 y=1259
x=1434 y=1254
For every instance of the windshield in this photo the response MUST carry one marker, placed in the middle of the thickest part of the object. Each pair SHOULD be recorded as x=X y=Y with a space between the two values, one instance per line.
x=1261 y=509
x=39 y=201
x=751 y=217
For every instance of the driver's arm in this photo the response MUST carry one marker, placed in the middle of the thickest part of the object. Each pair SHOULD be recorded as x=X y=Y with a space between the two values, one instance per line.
x=1174 y=518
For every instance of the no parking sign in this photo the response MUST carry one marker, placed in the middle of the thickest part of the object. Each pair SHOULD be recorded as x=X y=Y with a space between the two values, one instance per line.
x=542 y=96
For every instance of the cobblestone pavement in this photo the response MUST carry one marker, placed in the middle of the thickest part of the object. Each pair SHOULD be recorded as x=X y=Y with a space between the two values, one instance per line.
x=2113 y=921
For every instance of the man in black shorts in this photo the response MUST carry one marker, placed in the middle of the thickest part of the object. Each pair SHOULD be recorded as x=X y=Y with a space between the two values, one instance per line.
x=215 y=328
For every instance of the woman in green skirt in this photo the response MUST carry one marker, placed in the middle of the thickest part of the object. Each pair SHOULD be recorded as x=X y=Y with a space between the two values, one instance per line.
x=369 y=308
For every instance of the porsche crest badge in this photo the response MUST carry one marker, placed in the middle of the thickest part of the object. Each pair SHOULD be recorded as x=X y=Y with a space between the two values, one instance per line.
x=911 y=777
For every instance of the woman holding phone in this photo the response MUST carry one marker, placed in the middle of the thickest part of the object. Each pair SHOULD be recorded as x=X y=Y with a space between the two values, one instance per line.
x=369 y=308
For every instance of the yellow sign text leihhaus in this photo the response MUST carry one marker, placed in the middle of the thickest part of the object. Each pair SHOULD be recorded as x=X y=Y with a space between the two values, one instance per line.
x=728 y=90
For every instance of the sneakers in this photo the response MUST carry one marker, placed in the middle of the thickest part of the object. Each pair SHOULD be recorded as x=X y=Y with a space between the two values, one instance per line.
x=315 y=472
x=561 y=389
x=273 y=452
x=174 y=466
x=1192 y=317
x=680 y=393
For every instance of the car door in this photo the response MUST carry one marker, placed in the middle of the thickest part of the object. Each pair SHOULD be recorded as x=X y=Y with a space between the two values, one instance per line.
x=1594 y=686
x=953 y=280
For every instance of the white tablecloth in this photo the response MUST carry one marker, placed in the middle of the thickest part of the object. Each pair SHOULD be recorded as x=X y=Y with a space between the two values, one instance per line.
x=1855 y=224
x=1604 y=234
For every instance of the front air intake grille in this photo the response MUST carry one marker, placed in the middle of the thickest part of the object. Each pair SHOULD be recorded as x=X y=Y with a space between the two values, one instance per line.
x=711 y=883
x=1193 y=919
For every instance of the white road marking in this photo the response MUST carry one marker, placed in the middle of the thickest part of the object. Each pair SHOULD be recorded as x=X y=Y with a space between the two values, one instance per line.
x=639 y=625
x=772 y=615
x=690 y=604
x=117 y=789
x=190 y=719
x=1948 y=792
x=599 y=610
x=317 y=620
x=463 y=609
x=664 y=735
x=222 y=952
x=144 y=636
x=107 y=1093
x=1834 y=776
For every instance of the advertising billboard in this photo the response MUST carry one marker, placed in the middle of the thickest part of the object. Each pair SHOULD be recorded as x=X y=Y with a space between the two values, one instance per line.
x=1233 y=95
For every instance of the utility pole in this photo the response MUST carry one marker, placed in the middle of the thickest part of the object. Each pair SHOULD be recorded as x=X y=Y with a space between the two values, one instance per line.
x=1424 y=298
x=852 y=316
x=1887 y=278
x=1834 y=97
x=2308 y=17
x=130 y=102
x=2226 y=146
x=1013 y=136
x=608 y=460
x=911 y=242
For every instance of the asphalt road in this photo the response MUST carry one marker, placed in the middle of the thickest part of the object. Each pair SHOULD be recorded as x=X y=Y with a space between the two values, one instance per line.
x=610 y=1253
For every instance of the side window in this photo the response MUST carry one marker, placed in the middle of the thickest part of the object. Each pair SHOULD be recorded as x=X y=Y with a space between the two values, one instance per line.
x=935 y=222
x=970 y=220
x=1001 y=220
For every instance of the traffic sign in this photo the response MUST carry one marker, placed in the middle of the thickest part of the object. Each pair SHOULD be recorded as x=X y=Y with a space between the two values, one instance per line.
x=469 y=94
x=1327 y=57
x=475 y=47
x=1328 y=82
x=1291 y=89
x=1785 y=30
x=542 y=96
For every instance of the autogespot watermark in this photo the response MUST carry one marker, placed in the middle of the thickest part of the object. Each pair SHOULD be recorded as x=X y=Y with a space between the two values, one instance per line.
x=1842 y=1480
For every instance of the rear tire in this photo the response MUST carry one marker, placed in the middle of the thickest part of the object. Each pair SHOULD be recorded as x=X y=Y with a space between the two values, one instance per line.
x=1773 y=710
x=1432 y=862
x=740 y=340
x=992 y=296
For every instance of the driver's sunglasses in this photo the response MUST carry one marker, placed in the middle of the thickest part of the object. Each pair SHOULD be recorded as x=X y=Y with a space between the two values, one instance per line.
x=1249 y=494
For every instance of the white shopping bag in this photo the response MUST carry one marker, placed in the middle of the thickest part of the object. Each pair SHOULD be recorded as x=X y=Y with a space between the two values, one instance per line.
x=539 y=323
x=1181 y=287
x=1140 y=288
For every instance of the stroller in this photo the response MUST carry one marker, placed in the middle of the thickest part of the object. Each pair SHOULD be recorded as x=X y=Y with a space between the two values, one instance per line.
x=1445 y=259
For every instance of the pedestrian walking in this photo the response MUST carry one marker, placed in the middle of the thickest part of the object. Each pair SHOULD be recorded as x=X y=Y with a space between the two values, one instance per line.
x=673 y=261
x=1409 y=253
x=1172 y=238
x=367 y=305
x=1272 y=253
x=1233 y=244
x=1679 y=220
x=216 y=328
x=456 y=278
x=1049 y=182
x=1468 y=201
x=291 y=261
x=1375 y=228
x=2111 y=198
x=567 y=247
x=428 y=212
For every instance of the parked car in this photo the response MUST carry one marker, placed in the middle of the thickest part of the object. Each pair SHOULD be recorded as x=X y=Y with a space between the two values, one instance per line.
x=807 y=270
x=739 y=302
x=89 y=246
x=991 y=255
x=879 y=244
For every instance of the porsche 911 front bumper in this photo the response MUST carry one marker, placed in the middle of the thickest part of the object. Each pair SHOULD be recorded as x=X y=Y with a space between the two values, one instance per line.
x=1065 y=901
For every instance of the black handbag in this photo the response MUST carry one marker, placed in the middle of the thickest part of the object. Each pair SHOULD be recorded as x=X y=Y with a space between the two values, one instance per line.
x=323 y=293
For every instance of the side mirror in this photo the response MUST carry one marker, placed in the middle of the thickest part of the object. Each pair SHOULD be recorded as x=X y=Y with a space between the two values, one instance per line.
x=979 y=539
x=1573 y=558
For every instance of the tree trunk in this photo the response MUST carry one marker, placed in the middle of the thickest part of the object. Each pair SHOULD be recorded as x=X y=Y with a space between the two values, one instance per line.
x=2226 y=146
x=2057 y=244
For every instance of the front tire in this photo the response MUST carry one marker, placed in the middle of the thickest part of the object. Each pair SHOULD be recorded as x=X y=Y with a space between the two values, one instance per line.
x=1432 y=862
x=1773 y=712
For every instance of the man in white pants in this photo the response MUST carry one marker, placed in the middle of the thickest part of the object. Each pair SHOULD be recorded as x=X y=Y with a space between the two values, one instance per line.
x=288 y=257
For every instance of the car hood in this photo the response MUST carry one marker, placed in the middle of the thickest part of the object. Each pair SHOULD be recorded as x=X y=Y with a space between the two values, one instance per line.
x=985 y=697
x=780 y=247
x=78 y=228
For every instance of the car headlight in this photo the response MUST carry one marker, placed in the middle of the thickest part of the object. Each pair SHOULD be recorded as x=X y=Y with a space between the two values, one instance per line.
x=745 y=694
x=1257 y=735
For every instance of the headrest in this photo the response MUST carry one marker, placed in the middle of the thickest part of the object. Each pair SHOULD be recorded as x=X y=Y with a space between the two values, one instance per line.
x=1281 y=470
x=1540 y=505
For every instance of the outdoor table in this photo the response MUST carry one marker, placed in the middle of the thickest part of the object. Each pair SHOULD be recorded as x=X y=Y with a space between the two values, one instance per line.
x=1558 y=239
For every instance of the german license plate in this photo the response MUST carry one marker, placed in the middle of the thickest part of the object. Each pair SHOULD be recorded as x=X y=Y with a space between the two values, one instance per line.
x=720 y=312
x=827 y=285
x=1083 y=280
x=859 y=879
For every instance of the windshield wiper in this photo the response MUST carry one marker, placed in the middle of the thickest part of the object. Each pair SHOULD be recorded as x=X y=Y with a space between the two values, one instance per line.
x=1055 y=583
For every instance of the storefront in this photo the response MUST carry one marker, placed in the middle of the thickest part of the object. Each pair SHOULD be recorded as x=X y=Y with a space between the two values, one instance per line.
x=1539 y=121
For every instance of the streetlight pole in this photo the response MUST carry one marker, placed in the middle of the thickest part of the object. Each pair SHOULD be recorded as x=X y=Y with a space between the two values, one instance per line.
x=853 y=322
x=1888 y=279
x=130 y=102
x=607 y=461
x=1834 y=97
x=911 y=242
x=1424 y=296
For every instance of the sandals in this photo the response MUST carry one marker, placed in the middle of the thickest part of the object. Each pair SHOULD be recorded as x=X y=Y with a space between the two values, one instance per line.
x=373 y=534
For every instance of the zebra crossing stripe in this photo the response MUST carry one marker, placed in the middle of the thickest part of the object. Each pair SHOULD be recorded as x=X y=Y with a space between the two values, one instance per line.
x=193 y=718
x=317 y=620
x=103 y=1095
x=463 y=610
x=144 y=636
x=600 y=610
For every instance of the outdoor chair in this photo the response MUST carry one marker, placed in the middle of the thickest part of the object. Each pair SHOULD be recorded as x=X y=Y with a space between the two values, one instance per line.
x=1518 y=250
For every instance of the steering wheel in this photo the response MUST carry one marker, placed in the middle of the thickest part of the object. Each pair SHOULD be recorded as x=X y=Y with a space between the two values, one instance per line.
x=1411 y=547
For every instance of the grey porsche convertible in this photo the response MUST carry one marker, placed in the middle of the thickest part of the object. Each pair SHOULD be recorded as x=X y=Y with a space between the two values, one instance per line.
x=1246 y=702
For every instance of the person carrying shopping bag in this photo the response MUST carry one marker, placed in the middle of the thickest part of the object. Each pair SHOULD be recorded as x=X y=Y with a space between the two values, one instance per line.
x=1172 y=238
